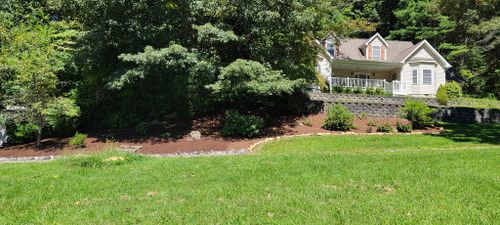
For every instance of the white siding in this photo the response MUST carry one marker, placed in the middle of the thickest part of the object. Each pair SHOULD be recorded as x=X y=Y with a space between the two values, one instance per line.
x=324 y=66
x=420 y=61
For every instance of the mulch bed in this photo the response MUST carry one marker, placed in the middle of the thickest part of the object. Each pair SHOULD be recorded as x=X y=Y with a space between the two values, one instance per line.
x=179 y=140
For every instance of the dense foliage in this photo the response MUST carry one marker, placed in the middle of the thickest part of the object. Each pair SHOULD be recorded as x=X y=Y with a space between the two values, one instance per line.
x=417 y=112
x=442 y=95
x=117 y=63
x=466 y=32
x=240 y=125
x=338 y=117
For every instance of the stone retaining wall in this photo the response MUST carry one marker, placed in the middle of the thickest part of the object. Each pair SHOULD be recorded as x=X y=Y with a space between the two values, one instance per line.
x=389 y=107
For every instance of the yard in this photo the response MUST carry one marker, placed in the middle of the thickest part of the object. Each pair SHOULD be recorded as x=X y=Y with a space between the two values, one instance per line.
x=452 y=178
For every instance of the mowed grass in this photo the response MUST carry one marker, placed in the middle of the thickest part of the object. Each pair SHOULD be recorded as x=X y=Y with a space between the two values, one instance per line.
x=398 y=179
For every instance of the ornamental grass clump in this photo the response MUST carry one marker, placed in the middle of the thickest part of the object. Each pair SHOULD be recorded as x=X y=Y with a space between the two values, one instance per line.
x=338 y=117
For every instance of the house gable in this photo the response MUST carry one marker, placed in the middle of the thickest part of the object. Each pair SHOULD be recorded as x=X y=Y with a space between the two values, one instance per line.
x=424 y=52
x=375 y=48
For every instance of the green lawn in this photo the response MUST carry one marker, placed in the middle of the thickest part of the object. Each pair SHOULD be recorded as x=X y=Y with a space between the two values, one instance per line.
x=397 y=179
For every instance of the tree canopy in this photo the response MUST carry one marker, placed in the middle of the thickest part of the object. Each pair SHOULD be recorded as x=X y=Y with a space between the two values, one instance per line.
x=123 y=61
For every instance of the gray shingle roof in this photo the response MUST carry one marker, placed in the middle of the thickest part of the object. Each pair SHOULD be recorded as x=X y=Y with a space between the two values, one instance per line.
x=396 y=51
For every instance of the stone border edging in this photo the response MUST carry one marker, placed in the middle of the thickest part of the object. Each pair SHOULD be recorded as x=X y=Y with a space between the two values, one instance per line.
x=28 y=159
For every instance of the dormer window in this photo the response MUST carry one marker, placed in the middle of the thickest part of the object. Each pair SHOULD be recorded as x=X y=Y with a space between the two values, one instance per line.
x=330 y=47
x=377 y=52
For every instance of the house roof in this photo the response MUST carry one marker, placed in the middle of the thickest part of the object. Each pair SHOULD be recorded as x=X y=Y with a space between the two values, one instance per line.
x=397 y=51
x=351 y=49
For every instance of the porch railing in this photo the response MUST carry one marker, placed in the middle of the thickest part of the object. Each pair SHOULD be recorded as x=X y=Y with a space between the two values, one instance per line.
x=394 y=87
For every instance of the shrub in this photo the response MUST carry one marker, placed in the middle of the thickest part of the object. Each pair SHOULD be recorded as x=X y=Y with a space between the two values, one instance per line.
x=453 y=90
x=370 y=91
x=237 y=124
x=347 y=90
x=380 y=91
x=78 y=140
x=338 y=117
x=307 y=122
x=322 y=82
x=417 y=112
x=386 y=128
x=442 y=95
x=359 y=90
x=338 y=89
x=401 y=127
x=372 y=123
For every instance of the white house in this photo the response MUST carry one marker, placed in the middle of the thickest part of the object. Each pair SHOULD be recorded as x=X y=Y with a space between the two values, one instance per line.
x=400 y=67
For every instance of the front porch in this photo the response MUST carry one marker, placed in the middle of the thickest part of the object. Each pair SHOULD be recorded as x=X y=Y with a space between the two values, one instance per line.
x=394 y=87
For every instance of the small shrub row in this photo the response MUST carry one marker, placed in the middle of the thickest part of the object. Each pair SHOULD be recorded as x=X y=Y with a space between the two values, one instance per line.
x=360 y=90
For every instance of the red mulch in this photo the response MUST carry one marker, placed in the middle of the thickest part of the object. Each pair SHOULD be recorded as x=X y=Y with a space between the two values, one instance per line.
x=180 y=141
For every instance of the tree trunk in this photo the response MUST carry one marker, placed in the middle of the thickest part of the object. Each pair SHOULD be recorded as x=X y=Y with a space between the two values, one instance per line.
x=39 y=138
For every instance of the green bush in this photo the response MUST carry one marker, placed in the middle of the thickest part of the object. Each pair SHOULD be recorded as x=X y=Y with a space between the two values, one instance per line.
x=359 y=90
x=372 y=123
x=78 y=140
x=386 y=128
x=417 y=112
x=401 y=127
x=322 y=82
x=347 y=90
x=20 y=132
x=337 y=89
x=380 y=91
x=453 y=90
x=237 y=124
x=370 y=91
x=338 y=117
x=442 y=95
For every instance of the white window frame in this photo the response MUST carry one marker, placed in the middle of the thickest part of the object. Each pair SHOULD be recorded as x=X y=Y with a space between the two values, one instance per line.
x=414 y=77
x=330 y=42
x=432 y=76
x=379 y=52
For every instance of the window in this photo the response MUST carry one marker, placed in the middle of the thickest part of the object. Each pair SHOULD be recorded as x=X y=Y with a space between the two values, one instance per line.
x=427 y=76
x=376 y=52
x=415 y=76
x=330 y=47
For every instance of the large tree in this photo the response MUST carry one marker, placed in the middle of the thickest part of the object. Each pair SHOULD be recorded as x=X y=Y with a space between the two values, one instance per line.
x=33 y=50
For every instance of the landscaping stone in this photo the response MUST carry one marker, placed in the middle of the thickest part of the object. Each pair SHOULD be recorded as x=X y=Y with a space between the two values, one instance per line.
x=195 y=135
x=129 y=148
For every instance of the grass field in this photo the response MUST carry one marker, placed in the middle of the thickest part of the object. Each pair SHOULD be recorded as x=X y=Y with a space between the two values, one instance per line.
x=398 y=179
